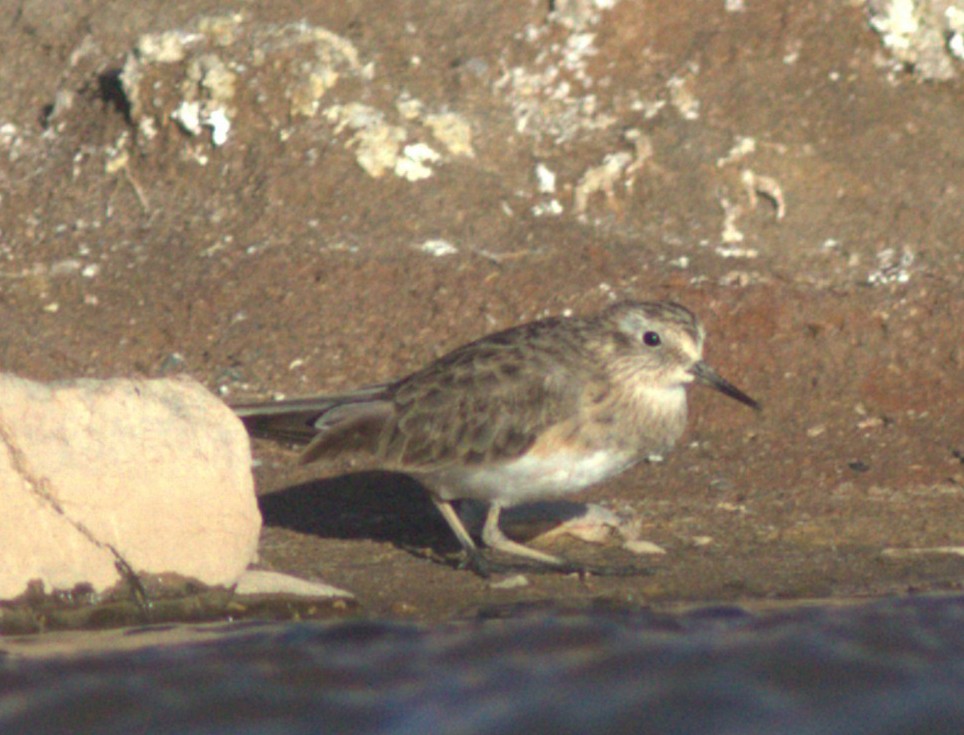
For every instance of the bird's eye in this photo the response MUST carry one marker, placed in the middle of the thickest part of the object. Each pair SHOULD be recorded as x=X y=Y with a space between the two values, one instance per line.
x=652 y=339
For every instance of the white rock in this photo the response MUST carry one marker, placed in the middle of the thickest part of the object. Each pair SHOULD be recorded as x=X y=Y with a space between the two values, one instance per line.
x=510 y=583
x=153 y=473
x=643 y=547
x=258 y=582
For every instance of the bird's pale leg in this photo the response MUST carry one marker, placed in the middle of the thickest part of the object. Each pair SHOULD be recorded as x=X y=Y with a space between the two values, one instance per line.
x=494 y=538
x=458 y=528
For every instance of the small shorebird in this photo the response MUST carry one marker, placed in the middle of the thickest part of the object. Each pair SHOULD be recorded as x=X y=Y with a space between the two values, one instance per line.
x=533 y=412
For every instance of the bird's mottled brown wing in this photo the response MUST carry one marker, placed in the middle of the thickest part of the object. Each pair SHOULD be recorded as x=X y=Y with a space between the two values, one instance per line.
x=488 y=400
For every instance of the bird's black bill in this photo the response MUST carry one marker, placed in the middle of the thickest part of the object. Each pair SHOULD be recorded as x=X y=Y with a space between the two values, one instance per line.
x=705 y=374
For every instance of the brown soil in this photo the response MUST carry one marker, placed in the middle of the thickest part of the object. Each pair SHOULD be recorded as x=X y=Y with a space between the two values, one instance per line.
x=275 y=263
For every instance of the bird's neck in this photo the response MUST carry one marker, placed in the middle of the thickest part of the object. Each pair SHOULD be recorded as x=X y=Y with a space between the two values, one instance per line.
x=655 y=415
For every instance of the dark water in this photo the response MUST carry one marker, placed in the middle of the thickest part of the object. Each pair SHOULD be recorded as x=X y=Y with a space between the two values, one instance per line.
x=894 y=666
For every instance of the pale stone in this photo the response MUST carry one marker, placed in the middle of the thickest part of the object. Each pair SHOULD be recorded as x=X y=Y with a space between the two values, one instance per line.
x=154 y=474
x=511 y=583
x=643 y=547
x=257 y=582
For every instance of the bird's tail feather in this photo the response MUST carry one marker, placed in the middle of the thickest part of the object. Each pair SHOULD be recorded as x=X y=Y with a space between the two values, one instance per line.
x=325 y=423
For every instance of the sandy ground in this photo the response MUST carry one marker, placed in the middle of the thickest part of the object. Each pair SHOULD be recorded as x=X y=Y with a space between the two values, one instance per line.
x=771 y=168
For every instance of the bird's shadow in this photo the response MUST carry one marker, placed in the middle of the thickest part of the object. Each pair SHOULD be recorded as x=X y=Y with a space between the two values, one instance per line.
x=380 y=506
x=391 y=507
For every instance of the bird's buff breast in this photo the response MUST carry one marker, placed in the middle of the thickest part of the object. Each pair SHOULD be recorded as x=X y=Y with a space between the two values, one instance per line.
x=532 y=477
x=574 y=454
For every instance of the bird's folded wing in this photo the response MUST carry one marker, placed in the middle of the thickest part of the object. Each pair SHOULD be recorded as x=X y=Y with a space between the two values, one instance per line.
x=490 y=409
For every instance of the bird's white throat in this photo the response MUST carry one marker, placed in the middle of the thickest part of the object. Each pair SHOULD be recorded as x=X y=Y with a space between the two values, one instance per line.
x=661 y=400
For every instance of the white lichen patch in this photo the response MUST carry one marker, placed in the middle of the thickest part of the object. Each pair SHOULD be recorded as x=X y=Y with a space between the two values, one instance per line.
x=410 y=108
x=306 y=92
x=221 y=30
x=730 y=251
x=551 y=208
x=168 y=47
x=753 y=186
x=924 y=35
x=730 y=233
x=355 y=115
x=453 y=131
x=545 y=179
x=896 y=21
x=579 y=14
x=376 y=148
x=413 y=163
x=756 y=186
x=681 y=95
x=954 y=20
x=209 y=78
x=600 y=179
x=188 y=116
x=193 y=117
x=380 y=145
x=222 y=67
x=892 y=267
x=742 y=147
x=219 y=123
x=552 y=96
x=438 y=248
x=376 y=143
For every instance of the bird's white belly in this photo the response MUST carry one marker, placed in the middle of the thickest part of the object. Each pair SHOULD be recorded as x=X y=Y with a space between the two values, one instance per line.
x=531 y=478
